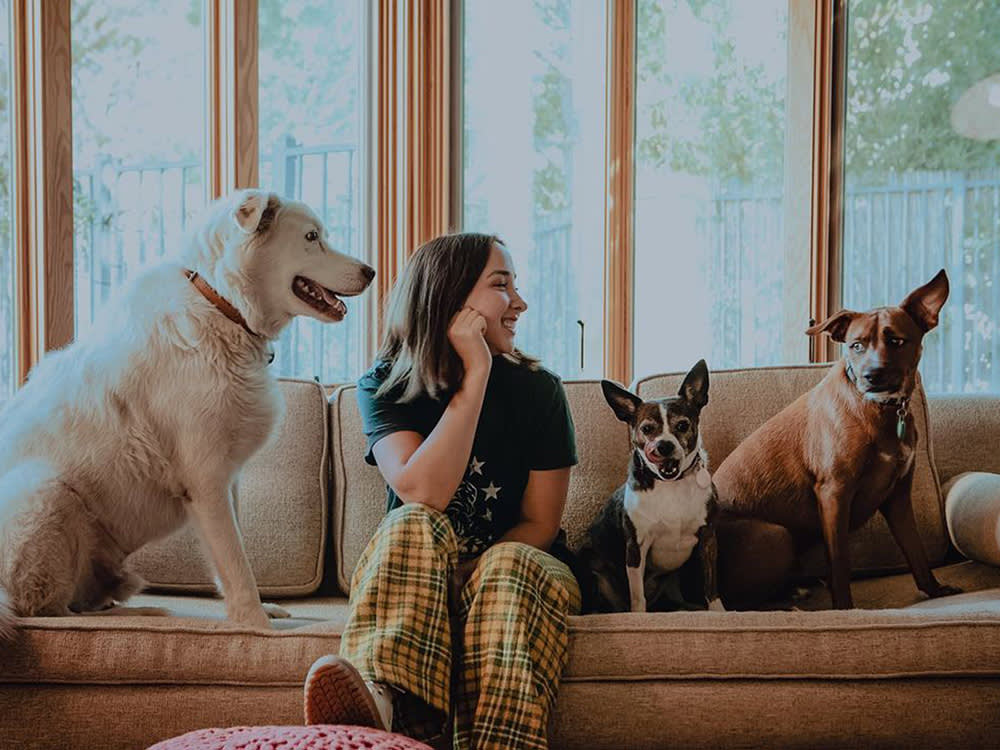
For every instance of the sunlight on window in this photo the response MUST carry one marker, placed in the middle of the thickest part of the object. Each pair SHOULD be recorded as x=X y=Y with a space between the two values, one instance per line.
x=8 y=306
x=138 y=127
x=922 y=173
x=709 y=235
x=533 y=164
x=312 y=103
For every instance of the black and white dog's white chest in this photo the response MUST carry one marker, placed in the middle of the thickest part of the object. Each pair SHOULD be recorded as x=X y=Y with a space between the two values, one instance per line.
x=667 y=518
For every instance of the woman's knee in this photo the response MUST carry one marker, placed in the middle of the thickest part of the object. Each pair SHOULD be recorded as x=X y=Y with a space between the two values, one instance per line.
x=416 y=518
x=517 y=563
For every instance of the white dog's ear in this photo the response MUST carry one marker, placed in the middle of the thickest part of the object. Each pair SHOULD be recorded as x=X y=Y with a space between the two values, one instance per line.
x=249 y=210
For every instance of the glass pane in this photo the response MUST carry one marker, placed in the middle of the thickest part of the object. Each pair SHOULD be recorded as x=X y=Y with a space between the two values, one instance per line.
x=710 y=258
x=313 y=100
x=534 y=164
x=137 y=162
x=922 y=187
x=8 y=298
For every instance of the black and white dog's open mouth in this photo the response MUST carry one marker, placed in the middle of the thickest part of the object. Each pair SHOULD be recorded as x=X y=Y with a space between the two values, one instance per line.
x=669 y=468
x=318 y=297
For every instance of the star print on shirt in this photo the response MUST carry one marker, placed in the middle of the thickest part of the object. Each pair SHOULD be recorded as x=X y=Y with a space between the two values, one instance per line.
x=471 y=509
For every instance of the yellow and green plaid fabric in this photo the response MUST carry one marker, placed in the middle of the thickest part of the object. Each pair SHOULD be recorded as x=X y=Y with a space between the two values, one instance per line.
x=493 y=669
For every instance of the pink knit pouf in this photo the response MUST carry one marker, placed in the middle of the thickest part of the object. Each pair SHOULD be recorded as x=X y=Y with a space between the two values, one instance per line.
x=313 y=737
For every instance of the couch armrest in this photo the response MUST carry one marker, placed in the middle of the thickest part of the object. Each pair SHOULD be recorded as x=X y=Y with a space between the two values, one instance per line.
x=972 y=512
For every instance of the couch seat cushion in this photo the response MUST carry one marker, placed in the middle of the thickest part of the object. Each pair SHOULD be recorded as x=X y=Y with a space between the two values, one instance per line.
x=790 y=645
x=900 y=590
x=196 y=645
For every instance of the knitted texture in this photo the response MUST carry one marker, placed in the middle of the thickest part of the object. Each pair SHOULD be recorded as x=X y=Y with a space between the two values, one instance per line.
x=315 y=737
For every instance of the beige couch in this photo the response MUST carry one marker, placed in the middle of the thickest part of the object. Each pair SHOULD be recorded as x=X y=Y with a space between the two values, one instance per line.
x=896 y=671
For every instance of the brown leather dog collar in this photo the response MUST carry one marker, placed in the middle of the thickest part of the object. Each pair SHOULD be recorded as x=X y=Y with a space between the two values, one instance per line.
x=224 y=306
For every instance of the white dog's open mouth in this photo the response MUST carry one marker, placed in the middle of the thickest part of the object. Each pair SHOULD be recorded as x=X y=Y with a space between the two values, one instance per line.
x=319 y=298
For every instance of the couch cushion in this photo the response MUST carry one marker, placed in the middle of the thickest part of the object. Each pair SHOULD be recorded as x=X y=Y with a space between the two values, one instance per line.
x=964 y=430
x=200 y=648
x=281 y=505
x=359 y=490
x=195 y=645
x=742 y=400
x=972 y=512
x=831 y=644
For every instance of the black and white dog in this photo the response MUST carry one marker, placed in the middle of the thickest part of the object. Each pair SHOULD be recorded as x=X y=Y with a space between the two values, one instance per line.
x=651 y=525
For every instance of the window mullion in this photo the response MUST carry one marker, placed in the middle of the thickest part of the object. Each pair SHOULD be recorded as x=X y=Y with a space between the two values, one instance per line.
x=619 y=171
x=428 y=126
x=828 y=168
x=233 y=95
x=43 y=178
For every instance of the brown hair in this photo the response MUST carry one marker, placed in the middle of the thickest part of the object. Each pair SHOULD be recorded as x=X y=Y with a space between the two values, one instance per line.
x=431 y=288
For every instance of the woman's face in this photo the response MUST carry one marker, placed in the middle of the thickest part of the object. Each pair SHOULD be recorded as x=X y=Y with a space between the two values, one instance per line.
x=495 y=298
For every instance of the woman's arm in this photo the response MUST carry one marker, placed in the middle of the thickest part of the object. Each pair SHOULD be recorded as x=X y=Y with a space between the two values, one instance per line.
x=429 y=470
x=541 y=509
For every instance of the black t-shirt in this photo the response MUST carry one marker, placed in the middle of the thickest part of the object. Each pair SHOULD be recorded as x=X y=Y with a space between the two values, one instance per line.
x=525 y=425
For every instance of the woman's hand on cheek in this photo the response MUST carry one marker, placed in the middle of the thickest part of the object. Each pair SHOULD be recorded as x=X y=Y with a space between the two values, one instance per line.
x=467 y=335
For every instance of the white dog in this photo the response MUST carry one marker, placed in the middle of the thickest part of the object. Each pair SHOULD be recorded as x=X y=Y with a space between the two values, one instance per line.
x=147 y=419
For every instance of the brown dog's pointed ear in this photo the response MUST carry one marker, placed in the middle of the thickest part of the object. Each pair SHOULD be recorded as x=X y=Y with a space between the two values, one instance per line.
x=924 y=304
x=622 y=401
x=835 y=326
x=695 y=385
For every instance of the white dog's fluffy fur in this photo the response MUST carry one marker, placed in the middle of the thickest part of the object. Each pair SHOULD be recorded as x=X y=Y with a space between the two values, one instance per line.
x=147 y=419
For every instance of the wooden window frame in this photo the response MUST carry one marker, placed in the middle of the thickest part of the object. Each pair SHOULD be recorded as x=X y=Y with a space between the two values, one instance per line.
x=231 y=43
x=415 y=186
x=42 y=178
x=619 y=184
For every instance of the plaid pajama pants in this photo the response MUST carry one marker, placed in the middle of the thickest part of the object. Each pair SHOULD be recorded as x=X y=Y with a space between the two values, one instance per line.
x=491 y=663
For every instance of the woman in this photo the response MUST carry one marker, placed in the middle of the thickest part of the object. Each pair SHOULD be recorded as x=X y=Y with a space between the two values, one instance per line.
x=457 y=608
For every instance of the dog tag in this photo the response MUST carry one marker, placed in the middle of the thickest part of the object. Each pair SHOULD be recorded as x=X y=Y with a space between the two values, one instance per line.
x=703 y=478
x=901 y=428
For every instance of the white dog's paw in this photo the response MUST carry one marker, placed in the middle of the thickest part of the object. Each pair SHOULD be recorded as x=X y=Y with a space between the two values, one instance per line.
x=254 y=617
x=716 y=606
x=275 y=612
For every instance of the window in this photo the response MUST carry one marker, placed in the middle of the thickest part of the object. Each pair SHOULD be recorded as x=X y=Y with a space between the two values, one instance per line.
x=138 y=161
x=711 y=275
x=533 y=166
x=8 y=298
x=313 y=100
x=922 y=174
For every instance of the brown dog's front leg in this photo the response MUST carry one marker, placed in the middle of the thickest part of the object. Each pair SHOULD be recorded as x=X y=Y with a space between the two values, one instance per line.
x=834 y=501
x=898 y=513
x=709 y=546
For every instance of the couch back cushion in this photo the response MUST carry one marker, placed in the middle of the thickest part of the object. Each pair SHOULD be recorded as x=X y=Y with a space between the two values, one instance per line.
x=359 y=492
x=964 y=430
x=282 y=501
x=742 y=400
x=359 y=495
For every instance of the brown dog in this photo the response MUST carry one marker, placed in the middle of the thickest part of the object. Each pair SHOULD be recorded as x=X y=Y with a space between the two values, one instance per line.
x=823 y=465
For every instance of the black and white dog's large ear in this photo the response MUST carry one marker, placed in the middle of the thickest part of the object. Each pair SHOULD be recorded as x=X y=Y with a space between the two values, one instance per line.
x=623 y=402
x=695 y=385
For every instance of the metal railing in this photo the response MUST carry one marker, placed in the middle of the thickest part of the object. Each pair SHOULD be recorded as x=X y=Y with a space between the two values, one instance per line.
x=896 y=236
